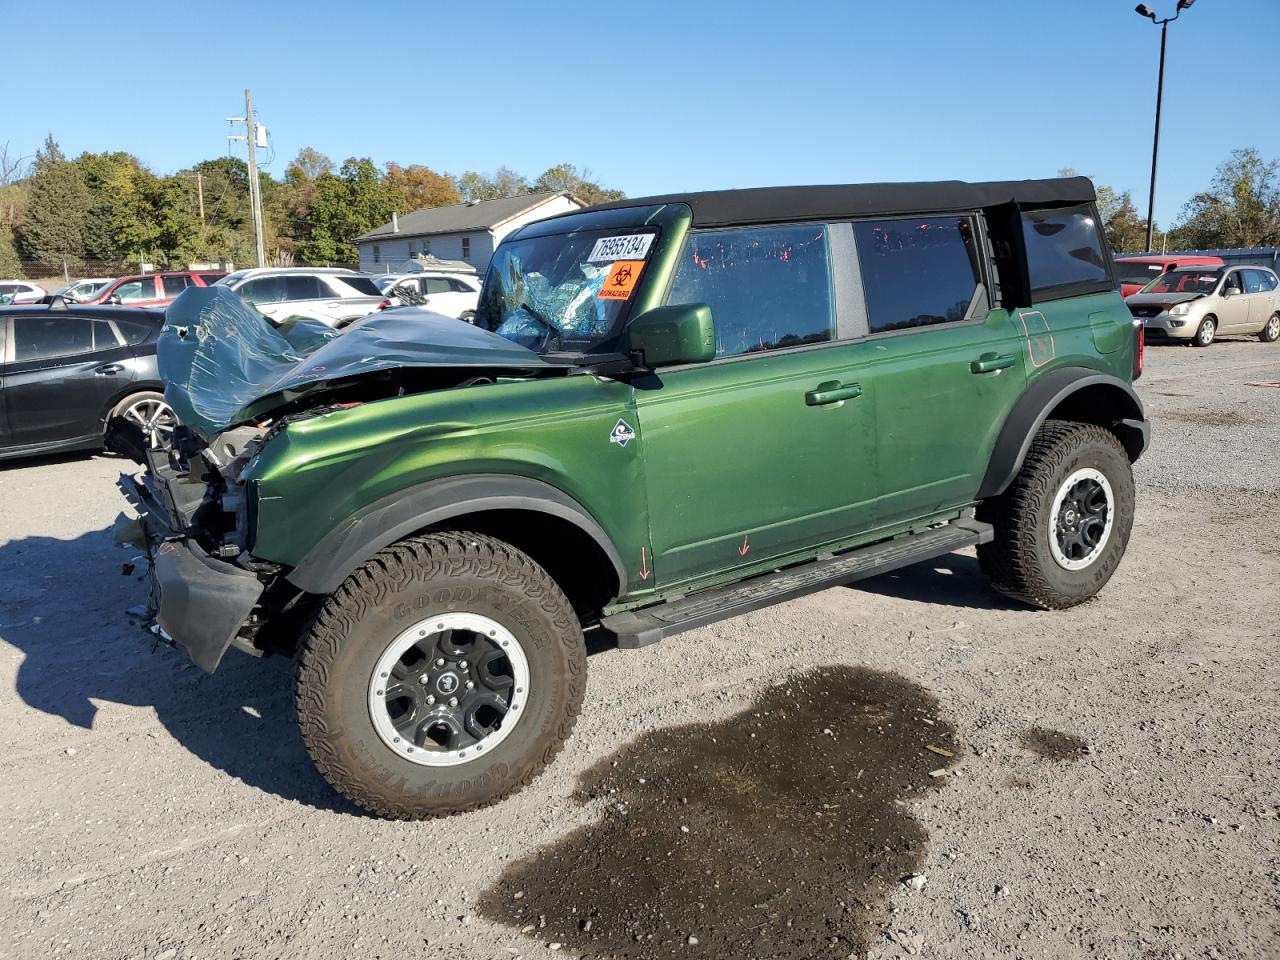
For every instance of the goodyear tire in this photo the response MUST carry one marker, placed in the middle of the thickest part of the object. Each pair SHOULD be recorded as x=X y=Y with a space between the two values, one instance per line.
x=1062 y=526
x=443 y=675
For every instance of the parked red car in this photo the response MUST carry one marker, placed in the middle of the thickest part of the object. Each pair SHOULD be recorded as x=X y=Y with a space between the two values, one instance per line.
x=153 y=289
x=1135 y=273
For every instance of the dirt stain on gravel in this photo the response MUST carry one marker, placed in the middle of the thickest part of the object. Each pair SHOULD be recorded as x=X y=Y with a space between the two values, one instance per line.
x=1054 y=744
x=776 y=833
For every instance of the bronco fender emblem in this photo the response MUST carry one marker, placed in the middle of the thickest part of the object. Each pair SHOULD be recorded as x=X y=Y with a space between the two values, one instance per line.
x=622 y=433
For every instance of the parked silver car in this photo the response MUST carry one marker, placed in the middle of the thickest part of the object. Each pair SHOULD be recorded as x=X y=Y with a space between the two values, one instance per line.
x=1199 y=303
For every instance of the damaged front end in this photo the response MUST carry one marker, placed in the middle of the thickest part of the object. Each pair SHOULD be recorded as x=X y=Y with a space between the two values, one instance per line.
x=236 y=384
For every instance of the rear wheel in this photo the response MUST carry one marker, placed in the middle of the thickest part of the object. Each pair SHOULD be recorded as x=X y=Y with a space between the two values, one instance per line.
x=1062 y=526
x=443 y=675
x=1271 y=332
x=1205 y=332
x=149 y=413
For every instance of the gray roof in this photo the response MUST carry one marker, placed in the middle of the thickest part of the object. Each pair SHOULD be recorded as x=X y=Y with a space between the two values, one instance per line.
x=462 y=217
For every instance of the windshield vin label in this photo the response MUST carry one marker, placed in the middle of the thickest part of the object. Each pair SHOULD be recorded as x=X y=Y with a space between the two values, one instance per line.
x=632 y=246
x=621 y=281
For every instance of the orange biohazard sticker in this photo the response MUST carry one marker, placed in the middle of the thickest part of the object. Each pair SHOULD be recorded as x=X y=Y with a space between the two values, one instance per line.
x=622 y=279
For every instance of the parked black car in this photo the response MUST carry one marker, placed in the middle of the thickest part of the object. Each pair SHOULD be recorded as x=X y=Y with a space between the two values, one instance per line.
x=66 y=370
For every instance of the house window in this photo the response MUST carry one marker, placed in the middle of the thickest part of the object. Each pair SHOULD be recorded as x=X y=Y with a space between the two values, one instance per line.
x=466 y=248
x=377 y=253
x=426 y=248
x=412 y=249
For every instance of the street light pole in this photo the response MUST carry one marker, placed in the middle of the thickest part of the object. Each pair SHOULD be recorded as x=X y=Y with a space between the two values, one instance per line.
x=1143 y=10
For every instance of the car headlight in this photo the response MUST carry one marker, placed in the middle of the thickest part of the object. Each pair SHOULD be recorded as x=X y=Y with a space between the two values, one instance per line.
x=1179 y=309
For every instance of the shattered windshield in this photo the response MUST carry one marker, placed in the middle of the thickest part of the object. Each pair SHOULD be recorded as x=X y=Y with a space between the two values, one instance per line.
x=565 y=293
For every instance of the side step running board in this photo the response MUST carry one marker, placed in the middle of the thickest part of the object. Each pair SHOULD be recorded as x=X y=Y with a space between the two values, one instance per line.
x=638 y=628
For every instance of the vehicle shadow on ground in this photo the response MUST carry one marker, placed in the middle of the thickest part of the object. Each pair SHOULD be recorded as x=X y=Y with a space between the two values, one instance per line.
x=63 y=608
x=954 y=580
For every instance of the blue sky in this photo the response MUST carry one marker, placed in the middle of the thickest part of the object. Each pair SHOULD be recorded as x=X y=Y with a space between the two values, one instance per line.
x=660 y=96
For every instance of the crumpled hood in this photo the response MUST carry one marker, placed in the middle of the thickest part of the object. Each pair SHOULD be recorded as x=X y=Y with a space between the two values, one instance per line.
x=223 y=364
x=1160 y=299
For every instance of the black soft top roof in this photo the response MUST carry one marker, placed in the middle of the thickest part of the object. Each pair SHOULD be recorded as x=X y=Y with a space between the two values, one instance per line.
x=780 y=204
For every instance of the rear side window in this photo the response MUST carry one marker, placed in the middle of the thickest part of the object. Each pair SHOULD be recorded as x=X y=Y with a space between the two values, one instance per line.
x=768 y=287
x=1064 y=248
x=363 y=286
x=918 y=271
x=175 y=285
x=43 y=337
x=436 y=285
x=302 y=288
x=209 y=279
x=1137 y=271
x=133 y=333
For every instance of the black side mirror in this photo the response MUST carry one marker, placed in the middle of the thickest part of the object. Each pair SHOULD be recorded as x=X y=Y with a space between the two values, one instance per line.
x=681 y=333
x=113 y=300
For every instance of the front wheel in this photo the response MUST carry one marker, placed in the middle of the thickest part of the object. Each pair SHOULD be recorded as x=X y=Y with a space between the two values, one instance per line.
x=442 y=676
x=1271 y=332
x=1205 y=332
x=1063 y=524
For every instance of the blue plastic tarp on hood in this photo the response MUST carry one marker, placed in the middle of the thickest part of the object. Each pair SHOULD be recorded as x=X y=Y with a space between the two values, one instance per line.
x=223 y=364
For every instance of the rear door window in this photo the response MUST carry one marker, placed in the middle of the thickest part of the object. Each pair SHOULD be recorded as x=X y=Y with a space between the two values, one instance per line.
x=768 y=287
x=302 y=287
x=46 y=338
x=175 y=285
x=436 y=285
x=917 y=271
x=1064 y=248
x=1255 y=281
x=133 y=333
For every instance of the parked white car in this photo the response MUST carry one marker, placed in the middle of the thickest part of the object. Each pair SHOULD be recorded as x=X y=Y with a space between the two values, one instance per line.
x=334 y=296
x=20 y=291
x=83 y=289
x=453 y=294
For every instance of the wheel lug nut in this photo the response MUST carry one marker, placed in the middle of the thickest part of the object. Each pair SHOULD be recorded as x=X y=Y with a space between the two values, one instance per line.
x=470 y=685
x=462 y=664
x=424 y=679
x=453 y=701
x=440 y=662
x=431 y=700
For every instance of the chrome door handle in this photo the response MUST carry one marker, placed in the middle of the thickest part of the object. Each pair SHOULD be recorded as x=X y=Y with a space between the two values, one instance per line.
x=832 y=391
x=108 y=368
x=989 y=362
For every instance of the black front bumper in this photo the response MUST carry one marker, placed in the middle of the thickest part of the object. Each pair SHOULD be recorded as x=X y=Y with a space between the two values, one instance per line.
x=199 y=602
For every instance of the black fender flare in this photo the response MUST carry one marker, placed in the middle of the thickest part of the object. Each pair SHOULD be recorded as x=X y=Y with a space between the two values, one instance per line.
x=401 y=514
x=1043 y=395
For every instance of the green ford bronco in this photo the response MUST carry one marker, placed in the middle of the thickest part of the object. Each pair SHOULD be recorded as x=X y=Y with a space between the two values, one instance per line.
x=669 y=411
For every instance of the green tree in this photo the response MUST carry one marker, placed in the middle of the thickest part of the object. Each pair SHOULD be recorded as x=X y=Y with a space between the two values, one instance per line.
x=53 y=227
x=565 y=177
x=503 y=182
x=123 y=206
x=1241 y=208
x=10 y=265
x=346 y=205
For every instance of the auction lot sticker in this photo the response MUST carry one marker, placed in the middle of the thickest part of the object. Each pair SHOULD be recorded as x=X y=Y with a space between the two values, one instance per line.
x=622 y=279
x=631 y=246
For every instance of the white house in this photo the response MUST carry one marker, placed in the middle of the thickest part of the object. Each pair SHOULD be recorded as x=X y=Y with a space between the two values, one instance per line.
x=467 y=231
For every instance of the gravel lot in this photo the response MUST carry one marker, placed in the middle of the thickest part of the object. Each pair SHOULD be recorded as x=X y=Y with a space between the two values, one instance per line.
x=1099 y=782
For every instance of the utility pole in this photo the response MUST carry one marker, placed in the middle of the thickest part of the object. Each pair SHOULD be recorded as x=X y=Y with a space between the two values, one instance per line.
x=200 y=194
x=255 y=192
